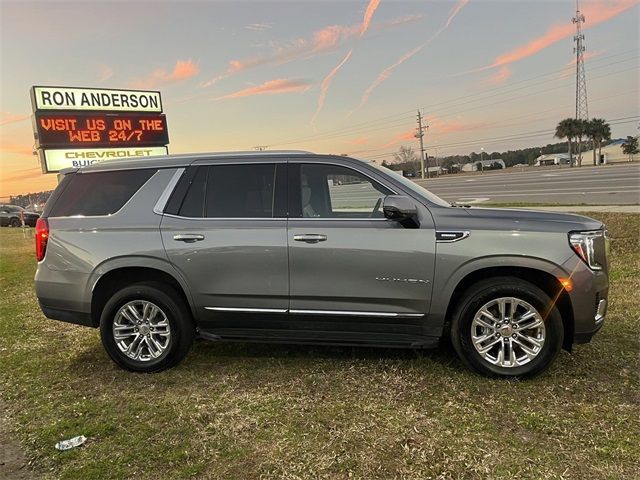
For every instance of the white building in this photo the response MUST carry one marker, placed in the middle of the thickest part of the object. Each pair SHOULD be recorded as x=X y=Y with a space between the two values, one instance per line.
x=486 y=164
x=553 y=159
x=611 y=153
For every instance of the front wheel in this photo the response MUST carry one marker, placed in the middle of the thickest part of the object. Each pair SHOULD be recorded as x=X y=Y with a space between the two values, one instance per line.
x=146 y=327
x=507 y=327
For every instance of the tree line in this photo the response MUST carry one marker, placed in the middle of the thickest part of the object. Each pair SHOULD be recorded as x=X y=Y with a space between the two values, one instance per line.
x=597 y=132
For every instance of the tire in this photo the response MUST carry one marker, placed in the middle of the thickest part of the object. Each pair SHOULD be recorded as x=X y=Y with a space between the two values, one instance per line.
x=15 y=223
x=529 y=345
x=163 y=340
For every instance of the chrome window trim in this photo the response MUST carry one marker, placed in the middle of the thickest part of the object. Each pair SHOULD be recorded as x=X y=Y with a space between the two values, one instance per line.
x=164 y=198
x=247 y=310
x=220 y=219
x=465 y=234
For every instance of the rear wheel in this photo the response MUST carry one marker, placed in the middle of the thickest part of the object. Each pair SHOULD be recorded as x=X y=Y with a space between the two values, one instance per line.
x=146 y=327
x=15 y=222
x=507 y=327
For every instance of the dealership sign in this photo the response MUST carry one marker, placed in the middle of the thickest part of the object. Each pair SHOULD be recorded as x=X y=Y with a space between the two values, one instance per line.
x=59 y=159
x=64 y=98
x=74 y=127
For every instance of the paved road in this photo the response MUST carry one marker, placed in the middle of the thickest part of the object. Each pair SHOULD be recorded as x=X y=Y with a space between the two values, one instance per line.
x=605 y=185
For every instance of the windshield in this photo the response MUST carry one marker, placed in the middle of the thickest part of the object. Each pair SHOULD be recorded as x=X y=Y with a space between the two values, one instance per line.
x=413 y=186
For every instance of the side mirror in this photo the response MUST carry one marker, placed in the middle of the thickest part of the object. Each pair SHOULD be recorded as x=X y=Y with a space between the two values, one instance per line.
x=401 y=209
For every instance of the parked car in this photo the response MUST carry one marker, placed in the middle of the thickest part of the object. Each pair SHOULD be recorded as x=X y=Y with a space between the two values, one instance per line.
x=269 y=247
x=12 y=215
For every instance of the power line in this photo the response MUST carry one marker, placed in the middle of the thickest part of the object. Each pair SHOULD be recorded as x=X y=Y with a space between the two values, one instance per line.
x=518 y=136
x=399 y=118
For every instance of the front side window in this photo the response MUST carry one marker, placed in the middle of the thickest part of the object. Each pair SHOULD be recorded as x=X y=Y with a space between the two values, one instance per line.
x=231 y=191
x=332 y=191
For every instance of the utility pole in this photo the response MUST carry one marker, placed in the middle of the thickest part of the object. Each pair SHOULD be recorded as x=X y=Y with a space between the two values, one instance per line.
x=582 y=110
x=420 y=134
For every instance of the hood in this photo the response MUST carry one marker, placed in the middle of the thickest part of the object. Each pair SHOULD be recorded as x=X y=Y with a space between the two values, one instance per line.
x=533 y=219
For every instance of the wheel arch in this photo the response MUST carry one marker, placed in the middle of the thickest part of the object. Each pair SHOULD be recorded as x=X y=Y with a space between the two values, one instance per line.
x=121 y=275
x=543 y=279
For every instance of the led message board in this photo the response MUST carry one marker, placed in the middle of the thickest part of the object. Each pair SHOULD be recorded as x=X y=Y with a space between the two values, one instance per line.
x=93 y=129
x=75 y=126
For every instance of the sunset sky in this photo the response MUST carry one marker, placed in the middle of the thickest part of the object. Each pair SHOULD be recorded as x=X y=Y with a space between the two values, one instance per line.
x=326 y=76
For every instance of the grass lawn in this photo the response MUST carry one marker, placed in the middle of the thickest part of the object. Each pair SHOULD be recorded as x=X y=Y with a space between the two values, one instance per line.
x=260 y=411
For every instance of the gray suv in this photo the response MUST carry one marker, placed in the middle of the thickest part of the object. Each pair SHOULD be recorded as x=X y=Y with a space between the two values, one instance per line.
x=293 y=247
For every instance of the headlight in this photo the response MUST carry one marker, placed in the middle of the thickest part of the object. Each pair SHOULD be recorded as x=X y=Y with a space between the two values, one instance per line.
x=587 y=246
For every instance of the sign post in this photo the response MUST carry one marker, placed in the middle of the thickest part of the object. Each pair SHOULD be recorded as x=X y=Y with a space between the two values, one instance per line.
x=75 y=127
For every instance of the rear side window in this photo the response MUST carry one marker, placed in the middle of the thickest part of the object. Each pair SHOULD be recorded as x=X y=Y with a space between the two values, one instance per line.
x=100 y=193
x=231 y=191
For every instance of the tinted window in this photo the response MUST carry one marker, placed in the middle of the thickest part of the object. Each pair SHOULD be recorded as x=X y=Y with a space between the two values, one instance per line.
x=231 y=191
x=331 y=191
x=100 y=193
x=193 y=204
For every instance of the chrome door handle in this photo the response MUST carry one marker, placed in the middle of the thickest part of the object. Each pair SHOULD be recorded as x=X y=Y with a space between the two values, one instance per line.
x=310 y=238
x=188 y=237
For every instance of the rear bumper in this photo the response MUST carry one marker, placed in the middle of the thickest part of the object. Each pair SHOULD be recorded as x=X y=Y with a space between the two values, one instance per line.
x=78 y=318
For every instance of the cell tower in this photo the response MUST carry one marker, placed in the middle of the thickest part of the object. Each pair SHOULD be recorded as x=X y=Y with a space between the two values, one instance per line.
x=582 y=110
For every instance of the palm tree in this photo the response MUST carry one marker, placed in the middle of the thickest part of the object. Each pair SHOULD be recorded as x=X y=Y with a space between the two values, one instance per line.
x=630 y=147
x=598 y=130
x=581 y=129
x=568 y=129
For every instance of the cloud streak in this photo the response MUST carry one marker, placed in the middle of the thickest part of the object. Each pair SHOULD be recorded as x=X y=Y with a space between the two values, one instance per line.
x=500 y=76
x=183 y=70
x=7 y=118
x=386 y=73
x=16 y=149
x=368 y=15
x=271 y=87
x=595 y=12
x=321 y=41
x=326 y=82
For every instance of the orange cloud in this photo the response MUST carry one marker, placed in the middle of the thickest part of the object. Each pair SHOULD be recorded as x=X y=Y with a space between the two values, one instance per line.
x=368 y=15
x=105 y=73
x=16 y=149
x=386 y=73
x=326 y=82
x=595 y=12
x=440 y=126
x=183 y=70
x=322 y=41
x=357 y=141
x=7 y=117
x=500 y=76
x=272 y=87
x=570 y=67
x=30 y=173
x=399 y=138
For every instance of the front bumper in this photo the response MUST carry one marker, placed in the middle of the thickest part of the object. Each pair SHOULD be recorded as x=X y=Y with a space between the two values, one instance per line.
x=589 y=299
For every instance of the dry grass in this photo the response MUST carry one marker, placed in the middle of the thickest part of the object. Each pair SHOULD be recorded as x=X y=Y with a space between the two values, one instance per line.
x=257 y=411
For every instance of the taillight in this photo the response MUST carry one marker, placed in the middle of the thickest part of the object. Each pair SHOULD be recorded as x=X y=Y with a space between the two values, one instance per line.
x=42 y=236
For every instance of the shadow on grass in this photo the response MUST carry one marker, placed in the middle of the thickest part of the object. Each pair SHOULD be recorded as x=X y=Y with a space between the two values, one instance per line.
x=262 y=356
